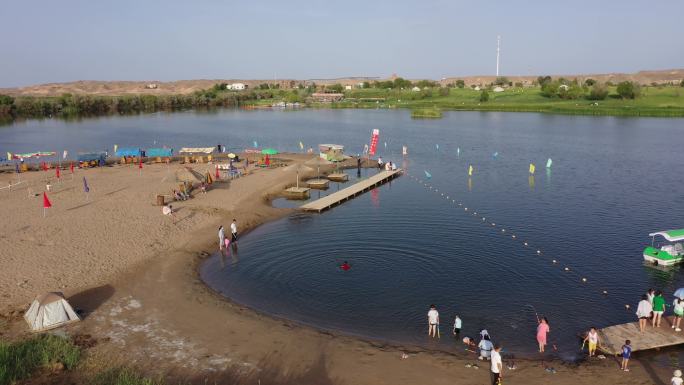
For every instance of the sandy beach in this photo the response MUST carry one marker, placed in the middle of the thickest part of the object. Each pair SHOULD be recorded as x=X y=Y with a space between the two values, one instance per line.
x=133 y=272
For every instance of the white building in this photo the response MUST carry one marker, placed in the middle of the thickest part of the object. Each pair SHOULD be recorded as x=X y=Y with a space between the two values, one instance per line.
x=347 y=87
x=236 y=87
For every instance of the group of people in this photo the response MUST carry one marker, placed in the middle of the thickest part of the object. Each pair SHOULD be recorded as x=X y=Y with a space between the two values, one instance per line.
x=652 y=307
x=224 y=242
x=389 y=166
x=487 y=349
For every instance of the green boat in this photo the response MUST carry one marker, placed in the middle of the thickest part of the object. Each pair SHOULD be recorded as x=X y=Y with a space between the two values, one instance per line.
x=668 y=254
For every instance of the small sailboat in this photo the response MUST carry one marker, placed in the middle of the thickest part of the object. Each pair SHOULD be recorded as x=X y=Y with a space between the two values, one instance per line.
x=428 y=175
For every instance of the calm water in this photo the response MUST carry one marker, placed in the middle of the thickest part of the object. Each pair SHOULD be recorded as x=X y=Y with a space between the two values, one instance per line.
x=612 y=182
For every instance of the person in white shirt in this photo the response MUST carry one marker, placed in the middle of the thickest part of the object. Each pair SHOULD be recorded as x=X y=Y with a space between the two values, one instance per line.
x=678 y=308
x=643 y=312
x=496 y=373
x=650 y=294
x=677 y=379
x=222 y=236
x=486 y=347
x=457 y=326
x=433 y=321
x=233 y=230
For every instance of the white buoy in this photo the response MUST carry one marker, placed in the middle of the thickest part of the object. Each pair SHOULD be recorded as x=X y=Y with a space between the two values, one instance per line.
x=567 y=269
x=605 y=292
x=466 y=209
x=513 y=236
x=503 y=230
x=554 y=261
x=584 y=280
x=525 y=243
x=626 y=306
x=538 y=251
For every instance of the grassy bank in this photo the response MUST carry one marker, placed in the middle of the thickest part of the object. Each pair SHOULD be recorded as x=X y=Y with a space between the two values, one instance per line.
x=426 y=113
x=654 y=101
x=56 y=355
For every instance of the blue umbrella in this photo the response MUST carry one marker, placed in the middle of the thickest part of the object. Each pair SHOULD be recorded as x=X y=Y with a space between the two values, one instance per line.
x=679 y=293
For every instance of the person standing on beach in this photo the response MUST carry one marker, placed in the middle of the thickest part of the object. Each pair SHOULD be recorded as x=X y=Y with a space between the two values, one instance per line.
x=233 y=230
x=496 y=373
x=626 y=354
x=650 y=294
x=542 y=329
x=677 y=378
x=222 y=236
x=644 y=310
x=679 y=313
x=433 y=321
x=593 y=339
x=658 y=308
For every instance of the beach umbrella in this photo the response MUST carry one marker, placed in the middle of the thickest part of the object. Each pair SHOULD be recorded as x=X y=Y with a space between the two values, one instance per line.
x=269 y=151
x=232 y=156
x=679 y=293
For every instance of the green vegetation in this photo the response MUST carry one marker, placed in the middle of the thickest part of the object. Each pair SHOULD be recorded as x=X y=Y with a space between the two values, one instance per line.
x=123 y=376
x=484 y=96
x=19 y=360
x=628 y=90
x=426 y=113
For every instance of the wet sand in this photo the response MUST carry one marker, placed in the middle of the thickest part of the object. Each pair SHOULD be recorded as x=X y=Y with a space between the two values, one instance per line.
x=133 y=272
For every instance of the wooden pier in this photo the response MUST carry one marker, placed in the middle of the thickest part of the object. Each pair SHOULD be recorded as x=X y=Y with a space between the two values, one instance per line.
x=613 y=337
x=351 y=191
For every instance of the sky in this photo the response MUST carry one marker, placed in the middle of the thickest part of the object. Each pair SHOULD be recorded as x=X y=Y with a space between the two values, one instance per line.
x=163 y=40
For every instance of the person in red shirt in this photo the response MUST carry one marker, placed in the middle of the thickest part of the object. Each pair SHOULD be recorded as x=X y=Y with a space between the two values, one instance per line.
x=345 y=266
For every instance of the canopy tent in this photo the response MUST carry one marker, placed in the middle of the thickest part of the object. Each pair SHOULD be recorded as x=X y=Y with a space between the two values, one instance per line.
x=232 y=156
x=129 y=151
x=30 y=155
x=160 y=152
x=196 y=150
x=670 y=235
x=49 y=311
x=91 y=156
x=269 y=151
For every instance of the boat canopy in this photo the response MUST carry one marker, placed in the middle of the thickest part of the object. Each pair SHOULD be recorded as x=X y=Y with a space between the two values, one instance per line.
x=91 y=156
x=128 y=151
x=670 y=235
x=196 y=150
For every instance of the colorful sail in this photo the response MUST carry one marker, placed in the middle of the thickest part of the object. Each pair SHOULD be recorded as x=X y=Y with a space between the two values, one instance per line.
x=301 y=145
x=458 y=151
x=532 y=168
x=437 y=147
x=404 y=150
x=495 y=154
x=428 y=175
x=470 y=170
x=549 y=163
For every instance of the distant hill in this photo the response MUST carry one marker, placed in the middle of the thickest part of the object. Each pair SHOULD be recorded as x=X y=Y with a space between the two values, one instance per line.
x=112 y=88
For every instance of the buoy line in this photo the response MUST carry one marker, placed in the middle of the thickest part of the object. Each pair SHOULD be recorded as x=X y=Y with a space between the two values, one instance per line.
x=508 y=232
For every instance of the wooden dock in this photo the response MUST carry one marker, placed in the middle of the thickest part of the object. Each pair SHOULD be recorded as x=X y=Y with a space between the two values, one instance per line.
x=351 y=191
x=613 y=337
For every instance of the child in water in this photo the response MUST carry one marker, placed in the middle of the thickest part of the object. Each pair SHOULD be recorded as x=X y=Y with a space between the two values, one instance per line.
x=457 y=326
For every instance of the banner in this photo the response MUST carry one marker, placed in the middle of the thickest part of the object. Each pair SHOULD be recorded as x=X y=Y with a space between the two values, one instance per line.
x=374 y=141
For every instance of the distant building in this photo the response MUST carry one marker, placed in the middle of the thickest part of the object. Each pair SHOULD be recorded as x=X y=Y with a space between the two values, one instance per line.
x=236 y=86
x=327 y=98
x=151 y=86
x=347 y=87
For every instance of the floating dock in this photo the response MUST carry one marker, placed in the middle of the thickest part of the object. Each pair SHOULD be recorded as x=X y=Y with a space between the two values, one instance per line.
x=338 y=177
x=297 y=192
x=318 y=184
x=351 y=191
x=613 y=337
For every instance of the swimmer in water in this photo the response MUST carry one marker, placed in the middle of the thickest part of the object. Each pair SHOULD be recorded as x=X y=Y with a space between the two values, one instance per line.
x=345 y=266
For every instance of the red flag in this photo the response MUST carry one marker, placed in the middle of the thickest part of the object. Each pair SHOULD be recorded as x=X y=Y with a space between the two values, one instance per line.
x=218 y=176
x=140 y=164
x=71 y=167
x=46 y=201
x=374 y=141
x=57 y=173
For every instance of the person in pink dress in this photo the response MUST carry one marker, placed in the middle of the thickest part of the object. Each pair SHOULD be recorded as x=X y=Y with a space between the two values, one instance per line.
x=542 y=330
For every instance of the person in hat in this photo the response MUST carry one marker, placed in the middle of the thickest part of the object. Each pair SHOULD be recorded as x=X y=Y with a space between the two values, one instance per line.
x=677 y=379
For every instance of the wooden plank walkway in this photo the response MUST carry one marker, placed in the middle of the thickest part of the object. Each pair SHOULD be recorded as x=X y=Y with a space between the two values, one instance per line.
x=613 y=337
x=350 y=192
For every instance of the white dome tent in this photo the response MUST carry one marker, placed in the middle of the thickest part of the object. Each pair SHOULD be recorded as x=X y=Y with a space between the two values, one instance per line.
x=49 y=311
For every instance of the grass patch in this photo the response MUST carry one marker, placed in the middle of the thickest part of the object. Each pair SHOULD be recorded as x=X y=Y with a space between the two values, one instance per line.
x=123 y=376
x=19 y=360
x=426 y=113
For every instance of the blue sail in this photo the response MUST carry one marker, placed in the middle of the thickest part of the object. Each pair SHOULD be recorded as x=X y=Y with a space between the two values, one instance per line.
x=428 y=175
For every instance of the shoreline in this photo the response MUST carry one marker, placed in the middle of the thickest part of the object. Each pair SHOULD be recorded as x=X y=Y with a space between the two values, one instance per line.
x=168 y=320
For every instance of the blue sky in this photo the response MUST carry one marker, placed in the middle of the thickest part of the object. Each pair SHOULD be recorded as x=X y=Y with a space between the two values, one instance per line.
x=56 y=41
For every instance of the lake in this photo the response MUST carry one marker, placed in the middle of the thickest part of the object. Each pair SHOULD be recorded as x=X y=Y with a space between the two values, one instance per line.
x=613 y=180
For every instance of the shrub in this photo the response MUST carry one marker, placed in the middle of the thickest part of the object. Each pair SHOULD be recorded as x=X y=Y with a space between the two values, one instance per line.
x=484 y=96
x=598 y=92
x=589 y=82
x=628 y=90
x=460 y=83
x=444 y=91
